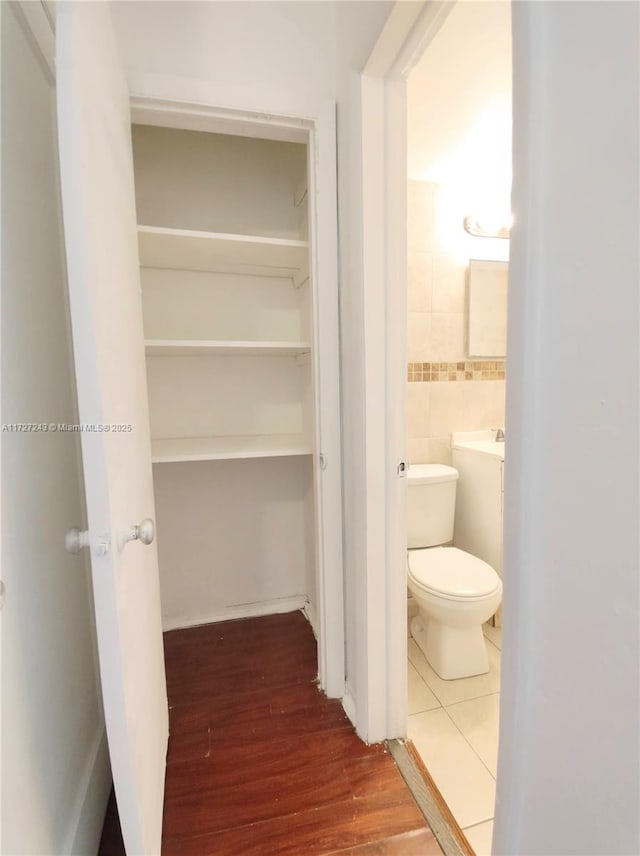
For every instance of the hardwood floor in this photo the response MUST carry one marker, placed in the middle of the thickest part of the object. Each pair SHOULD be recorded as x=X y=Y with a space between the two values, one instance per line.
x=261 y=763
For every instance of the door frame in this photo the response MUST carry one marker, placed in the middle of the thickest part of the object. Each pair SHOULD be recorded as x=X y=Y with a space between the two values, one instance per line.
x=383 y=640
x=319 y=133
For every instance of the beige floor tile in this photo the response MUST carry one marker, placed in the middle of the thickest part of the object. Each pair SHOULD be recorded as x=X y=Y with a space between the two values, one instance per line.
x=451 y=692
x=479 y=837
x=478 y=720
x=493 y=634
x=463 y=780
x=420 y=696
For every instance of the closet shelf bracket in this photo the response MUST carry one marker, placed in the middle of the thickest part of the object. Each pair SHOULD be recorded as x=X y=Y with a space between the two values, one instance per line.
x=300 y=278
x=300 y=192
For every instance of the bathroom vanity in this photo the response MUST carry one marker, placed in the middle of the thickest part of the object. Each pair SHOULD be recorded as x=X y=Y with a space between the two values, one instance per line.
x=479 y=459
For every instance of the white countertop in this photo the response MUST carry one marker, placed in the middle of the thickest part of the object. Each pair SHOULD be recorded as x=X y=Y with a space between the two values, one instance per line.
x=482 y=442
x=484 y=447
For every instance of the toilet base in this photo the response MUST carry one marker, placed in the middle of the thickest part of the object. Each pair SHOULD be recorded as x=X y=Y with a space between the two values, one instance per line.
x=452 y=652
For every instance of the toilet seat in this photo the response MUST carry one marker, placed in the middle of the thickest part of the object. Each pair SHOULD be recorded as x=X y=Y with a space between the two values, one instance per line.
x=452 y=574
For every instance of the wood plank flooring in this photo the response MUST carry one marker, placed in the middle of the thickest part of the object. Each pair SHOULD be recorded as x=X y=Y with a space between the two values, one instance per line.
x=261 y=763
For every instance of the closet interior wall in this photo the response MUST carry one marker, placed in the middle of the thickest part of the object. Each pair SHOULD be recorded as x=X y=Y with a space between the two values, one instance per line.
x=228 y=334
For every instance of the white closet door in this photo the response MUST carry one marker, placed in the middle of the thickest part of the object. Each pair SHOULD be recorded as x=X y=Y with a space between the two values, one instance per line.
x=102 y=258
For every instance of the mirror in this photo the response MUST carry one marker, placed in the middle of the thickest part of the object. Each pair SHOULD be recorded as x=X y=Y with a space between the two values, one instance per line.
x=487 y=308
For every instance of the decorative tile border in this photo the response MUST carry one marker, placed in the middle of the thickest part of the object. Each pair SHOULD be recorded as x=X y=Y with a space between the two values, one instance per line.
x=467 y=370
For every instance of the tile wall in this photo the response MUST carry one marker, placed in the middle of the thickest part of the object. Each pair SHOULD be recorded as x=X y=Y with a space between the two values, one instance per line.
x=446 y=391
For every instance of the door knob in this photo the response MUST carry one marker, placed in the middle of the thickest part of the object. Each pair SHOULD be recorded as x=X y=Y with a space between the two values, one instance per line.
x=144 y=532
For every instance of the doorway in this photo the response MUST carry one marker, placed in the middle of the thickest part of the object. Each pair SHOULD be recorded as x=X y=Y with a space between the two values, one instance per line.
x=277 y=275
x=458 y=216
x=385 y=127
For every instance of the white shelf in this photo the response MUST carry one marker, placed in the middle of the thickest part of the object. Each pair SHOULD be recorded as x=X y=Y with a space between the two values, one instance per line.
x=195 y=347
x=182 y=249
x=228 y=448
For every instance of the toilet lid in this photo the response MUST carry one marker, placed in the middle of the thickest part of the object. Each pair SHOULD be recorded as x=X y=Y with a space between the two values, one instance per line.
x=449 y=571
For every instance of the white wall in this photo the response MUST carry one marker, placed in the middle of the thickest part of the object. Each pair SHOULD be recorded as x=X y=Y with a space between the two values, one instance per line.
x=55 y=771
x=225 y=396
x=299 y=52
x=180 y=304
x=568 y=772
x=459 y=100
x=217 y=183
x=256 y=46
x=232 y=537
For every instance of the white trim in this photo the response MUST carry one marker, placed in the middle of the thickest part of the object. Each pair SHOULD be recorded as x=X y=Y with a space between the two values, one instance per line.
x=432 y=17
x=396 y=403
x=190 y=96
x=381 y=679
x=3 y=592
x=325 y=359
x=406 y=35
x=379 y=622
x=274 y=121
x=398 y=26
x=241 y=610
x=87 y=814
x=194 y=116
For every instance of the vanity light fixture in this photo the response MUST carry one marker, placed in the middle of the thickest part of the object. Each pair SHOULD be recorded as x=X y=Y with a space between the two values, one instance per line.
x=481 y=230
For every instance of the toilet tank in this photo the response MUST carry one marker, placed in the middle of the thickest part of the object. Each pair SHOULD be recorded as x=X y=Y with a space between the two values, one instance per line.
x=431 y=504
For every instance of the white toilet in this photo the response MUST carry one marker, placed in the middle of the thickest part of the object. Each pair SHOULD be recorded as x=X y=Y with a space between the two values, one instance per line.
x=455 y=591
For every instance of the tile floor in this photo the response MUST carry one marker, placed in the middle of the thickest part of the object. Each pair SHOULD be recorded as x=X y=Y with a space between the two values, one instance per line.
x=454 y=727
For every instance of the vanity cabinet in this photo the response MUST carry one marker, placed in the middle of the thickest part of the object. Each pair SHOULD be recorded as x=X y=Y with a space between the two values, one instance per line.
x=480 y=500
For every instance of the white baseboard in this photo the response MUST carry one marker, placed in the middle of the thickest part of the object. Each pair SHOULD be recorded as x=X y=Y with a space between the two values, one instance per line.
x=87 y=817
x=242 y=610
